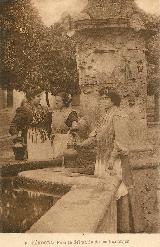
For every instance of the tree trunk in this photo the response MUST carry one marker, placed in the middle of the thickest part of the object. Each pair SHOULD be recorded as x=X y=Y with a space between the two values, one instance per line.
x=156 y=107
x=47 y=99
x=9 y=97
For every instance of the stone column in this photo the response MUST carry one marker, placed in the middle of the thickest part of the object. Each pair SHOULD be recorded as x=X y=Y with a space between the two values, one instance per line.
x=114 y=59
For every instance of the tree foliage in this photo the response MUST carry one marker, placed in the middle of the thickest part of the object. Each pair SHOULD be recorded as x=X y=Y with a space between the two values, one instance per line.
x=21 y=30
x=59 y=61
x=34 y=55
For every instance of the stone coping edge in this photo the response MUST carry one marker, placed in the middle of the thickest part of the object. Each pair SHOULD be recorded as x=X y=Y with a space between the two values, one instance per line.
x=14 y=167
x=41 y=186
x=80 y=210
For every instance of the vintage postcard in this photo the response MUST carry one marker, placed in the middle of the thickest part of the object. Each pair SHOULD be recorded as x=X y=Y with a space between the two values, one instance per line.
x=80 y=123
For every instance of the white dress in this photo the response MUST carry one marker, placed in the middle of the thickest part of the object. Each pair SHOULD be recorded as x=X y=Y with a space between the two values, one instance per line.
x=106 y=131
x=100 y=171
x=39 y=145
x=38 y=150
x=61 y=131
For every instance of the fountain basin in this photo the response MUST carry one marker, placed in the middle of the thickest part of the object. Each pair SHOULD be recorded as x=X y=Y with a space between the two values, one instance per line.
x=89 y=206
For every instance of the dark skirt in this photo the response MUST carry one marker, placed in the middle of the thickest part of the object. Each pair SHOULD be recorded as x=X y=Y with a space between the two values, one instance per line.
x=130 y=216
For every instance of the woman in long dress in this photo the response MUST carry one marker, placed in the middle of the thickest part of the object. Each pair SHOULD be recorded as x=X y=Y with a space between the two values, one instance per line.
x=33 y=122
x=64 y=121
x=111 y=138
x=18 y=130
x=39 y=132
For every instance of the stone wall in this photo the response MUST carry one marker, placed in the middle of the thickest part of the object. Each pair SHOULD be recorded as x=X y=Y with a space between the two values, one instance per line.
x=147 y=188
x=114 y=58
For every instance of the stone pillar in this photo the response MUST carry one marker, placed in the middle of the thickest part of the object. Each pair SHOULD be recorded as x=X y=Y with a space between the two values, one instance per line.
x=111 y=52
x=115 y=59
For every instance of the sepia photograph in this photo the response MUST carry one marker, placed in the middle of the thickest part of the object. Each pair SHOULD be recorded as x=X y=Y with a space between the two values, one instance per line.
x=80 y=118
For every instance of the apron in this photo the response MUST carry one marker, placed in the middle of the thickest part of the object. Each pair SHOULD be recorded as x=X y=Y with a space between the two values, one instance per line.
x=60 y=144
x=100 y=170
x=61 y=132
x=105 y=148
x=38 y=150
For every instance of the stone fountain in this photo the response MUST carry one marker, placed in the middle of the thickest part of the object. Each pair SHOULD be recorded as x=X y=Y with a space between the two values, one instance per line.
x=111 y=40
